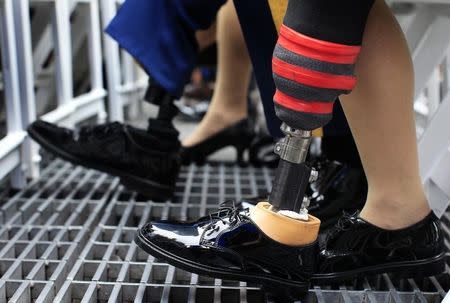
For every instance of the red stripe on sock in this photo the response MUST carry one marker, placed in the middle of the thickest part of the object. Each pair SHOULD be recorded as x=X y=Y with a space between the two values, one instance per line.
x=317 y=49
x=312 y=78
x=303 y=106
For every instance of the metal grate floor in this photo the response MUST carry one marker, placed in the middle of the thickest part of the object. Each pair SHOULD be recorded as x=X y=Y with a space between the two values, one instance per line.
x=68 y=237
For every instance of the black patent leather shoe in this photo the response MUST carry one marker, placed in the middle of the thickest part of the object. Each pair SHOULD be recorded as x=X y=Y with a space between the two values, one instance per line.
x=356 y=248
x=146 y=161
x=339 y=188
x=238 y=135
x=229 y=245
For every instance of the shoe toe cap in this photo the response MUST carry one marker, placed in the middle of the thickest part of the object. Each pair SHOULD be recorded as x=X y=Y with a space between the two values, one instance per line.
x=163 y=233
x=49 y=131
x=182 y=242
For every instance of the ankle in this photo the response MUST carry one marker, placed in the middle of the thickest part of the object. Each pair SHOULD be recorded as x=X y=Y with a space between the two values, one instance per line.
x=213 y=122
x=391 y=214
x=226 y=116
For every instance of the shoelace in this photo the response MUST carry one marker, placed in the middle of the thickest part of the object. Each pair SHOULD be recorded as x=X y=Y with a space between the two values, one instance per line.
x=227 y=210
x=346 y=220
x=343 y=224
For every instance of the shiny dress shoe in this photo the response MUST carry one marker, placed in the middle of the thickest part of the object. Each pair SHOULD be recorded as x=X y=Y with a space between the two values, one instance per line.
x=339 y=188
x=229 y=245
x=356 y=248
x=239 y=135
x=145 y=161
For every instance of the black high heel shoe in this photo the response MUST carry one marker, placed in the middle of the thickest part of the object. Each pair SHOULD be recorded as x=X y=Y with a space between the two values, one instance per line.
x=238 y=135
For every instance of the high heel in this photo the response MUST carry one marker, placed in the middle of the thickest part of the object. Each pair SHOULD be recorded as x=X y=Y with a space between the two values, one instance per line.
x=238 y=135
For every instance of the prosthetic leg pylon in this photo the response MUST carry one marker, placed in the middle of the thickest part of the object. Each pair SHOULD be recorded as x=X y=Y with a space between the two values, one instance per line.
x=293 y=175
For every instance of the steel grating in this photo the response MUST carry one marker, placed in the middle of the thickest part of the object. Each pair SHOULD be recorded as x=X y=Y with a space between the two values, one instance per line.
x=68 y=237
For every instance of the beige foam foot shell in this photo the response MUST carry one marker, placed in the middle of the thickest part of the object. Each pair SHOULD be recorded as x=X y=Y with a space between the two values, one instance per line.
x=283 y=229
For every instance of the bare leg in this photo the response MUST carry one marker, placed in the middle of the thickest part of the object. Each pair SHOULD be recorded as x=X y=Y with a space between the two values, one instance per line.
x=229 y=103
x=206 y=37
x=380 y=114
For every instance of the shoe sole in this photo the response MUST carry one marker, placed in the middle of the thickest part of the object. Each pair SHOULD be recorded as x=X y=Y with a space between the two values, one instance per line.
x=150 y=189
x=403 y=270
x=286 y=289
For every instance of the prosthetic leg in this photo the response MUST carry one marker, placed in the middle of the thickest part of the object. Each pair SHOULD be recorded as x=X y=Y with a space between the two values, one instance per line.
x=292 y=175
x=313 y=63
x=168 y=54
x=159 y=96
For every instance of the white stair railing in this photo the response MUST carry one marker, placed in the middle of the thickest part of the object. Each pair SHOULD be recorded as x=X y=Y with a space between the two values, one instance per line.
x=11 y=146
x=34 y=79
x=126 y=82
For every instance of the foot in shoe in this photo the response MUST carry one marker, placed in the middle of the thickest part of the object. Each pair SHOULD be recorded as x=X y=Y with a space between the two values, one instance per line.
x=211 y=124
x=355 y=247
x=238 y=135
x=145 y=161
x=231 y=245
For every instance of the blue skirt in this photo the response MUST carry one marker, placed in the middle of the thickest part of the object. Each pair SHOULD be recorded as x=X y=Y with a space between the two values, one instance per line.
x=160 y=34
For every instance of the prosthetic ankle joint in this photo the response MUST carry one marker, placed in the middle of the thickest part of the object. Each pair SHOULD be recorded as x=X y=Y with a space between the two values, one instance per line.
x=293 y=175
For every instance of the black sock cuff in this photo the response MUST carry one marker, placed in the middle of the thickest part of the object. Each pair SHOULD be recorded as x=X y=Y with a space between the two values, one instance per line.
x=342 y=149
x=338 y=21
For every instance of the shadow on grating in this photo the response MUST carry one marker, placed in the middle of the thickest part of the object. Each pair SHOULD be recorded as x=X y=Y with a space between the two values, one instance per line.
x=68 y=237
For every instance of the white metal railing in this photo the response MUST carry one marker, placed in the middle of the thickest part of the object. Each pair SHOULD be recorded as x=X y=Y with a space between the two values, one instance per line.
x=127 y=83
x=29 y=78
x=11 y=150
x=70 y=109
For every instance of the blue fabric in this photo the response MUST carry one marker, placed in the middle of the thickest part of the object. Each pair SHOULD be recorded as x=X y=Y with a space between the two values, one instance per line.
x=160 y=34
